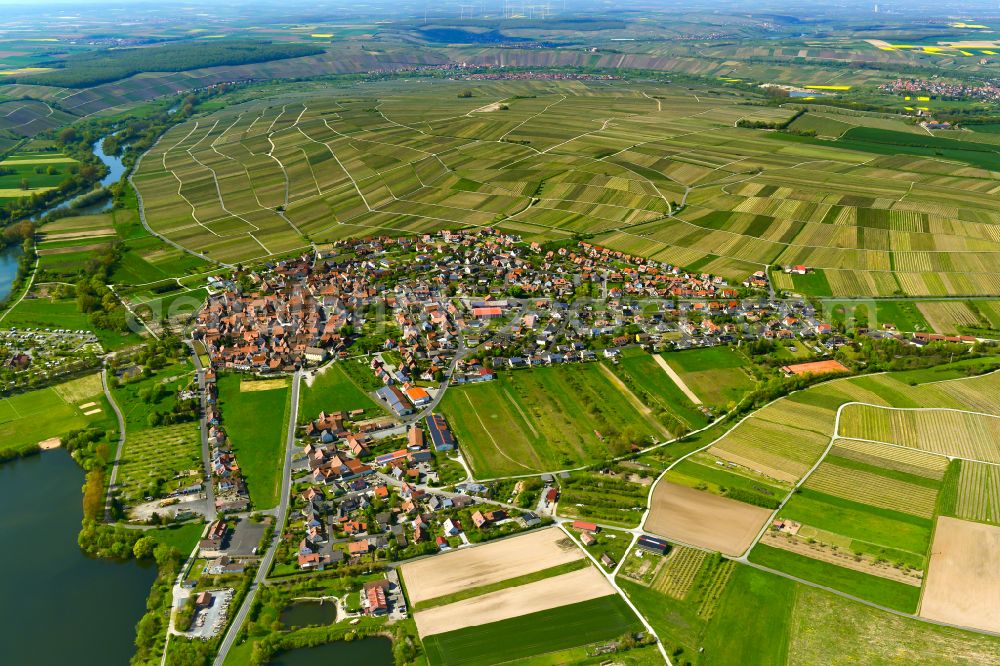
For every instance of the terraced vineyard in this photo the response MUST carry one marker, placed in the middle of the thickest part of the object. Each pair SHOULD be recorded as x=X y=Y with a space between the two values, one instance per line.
x=962 y=434
x=557 y=159
x=868 y=487
x=979 y=492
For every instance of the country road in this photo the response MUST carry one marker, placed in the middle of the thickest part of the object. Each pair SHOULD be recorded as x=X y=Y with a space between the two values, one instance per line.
x=268 y=559
x=121 y=442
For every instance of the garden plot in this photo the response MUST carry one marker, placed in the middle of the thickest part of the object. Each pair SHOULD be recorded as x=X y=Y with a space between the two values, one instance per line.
x=159 y=460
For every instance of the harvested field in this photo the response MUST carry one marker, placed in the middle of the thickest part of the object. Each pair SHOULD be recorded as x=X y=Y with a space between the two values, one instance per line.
x=263 y=385
x=473 y=567
x=963 y=582
x=705 y=520
x=554 y=592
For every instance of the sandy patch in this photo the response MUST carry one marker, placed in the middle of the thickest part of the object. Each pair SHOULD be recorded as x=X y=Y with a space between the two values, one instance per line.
x=50 y=443
x=263 y=385
x=963 y=581
x=482 y=565
x=92 y=412
x=570 y=588
x=87 y=405
x=676 y=379
x=703 y=519
x=495 y=106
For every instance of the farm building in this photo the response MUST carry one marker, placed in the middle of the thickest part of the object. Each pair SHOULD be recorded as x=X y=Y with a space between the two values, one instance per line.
x=585 y=526
x=441 y=435
x=418 y=395
x=397 y=402
x=487 y=312
x=652 y=544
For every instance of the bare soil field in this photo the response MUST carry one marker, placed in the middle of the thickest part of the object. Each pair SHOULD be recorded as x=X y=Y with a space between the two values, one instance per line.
x=554 y=592
x=473 y=567
x=963 y=582
x=703 y=519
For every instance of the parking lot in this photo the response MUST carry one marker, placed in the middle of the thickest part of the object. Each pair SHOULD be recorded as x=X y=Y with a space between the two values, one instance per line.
x=245 y=538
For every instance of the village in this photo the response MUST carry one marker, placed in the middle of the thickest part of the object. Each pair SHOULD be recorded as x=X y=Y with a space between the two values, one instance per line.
x=457 y=305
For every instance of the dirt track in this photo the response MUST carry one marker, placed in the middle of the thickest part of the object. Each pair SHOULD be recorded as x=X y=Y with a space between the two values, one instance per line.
x=482 y=565
x=963 y=581
x=554 y=592
x=703 y=519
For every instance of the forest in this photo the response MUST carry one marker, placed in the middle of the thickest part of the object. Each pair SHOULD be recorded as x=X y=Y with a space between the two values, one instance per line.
x=96 y=67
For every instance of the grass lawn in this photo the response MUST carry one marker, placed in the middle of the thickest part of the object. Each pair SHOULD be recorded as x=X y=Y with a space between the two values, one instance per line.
x=660 y=390
x=547 y=418
x=904 y=315
x=812 y=284
x=181 y=537
x=257 y=433
x=28 y=418
x=859 y=521
x=736 y=636
x=136 y=408
x=536 y=633
x=715 y=374
x=881 y=591
x=333 y=390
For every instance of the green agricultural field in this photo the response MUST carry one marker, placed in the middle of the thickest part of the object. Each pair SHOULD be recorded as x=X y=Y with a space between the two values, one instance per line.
x=251 y=420
x=828 y=629
x=880 y=527
x=736 y=636
x=542 y=419
x=333 y=390
x=881 y=591
x=715 y=374
x=603 y=499
x=700 y=471
x=561 y=628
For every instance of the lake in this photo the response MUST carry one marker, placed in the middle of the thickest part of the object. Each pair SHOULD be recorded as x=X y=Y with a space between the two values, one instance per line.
x=8 y=269
x=58 y=606
x=306 y=613
x=372 y=651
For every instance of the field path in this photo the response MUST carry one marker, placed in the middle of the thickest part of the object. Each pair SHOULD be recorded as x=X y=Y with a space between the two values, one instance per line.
x=677 y=379
x=520 y=411
x=639 y=405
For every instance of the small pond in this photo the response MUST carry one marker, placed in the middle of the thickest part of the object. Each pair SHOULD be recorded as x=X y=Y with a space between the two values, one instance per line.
x=306 y=613
x=372 y=651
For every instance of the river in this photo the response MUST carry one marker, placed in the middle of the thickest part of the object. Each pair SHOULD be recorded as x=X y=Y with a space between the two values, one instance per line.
x=10 y=255
x=115 y=171
x=58 y=606
x=8 y=269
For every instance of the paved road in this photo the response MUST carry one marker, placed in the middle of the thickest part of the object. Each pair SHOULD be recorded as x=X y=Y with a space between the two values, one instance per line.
x=279 y=525
x=203 y=427
x=121 y=442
